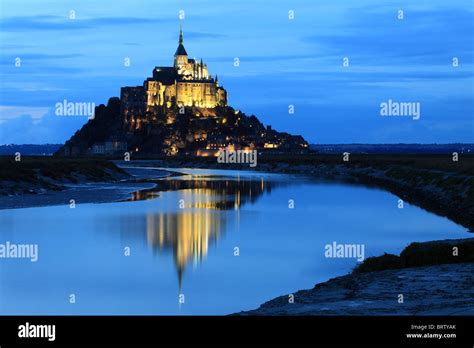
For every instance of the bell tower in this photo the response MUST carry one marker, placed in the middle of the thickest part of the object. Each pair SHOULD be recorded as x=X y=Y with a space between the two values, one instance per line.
x=180 y=56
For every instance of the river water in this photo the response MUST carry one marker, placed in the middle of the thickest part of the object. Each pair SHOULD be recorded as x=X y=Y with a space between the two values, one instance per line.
x=209 y=242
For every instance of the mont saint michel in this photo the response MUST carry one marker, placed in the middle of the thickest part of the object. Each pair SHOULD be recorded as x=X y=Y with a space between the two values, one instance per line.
x=180 y=109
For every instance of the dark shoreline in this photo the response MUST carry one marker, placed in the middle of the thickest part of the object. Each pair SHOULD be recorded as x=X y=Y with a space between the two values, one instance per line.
x=36 y=175
x=40 y=181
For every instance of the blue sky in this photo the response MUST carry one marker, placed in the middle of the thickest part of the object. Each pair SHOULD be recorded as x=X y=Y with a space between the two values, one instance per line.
x=282 y=62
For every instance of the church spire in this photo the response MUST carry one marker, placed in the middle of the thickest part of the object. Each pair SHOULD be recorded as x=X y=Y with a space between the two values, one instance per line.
x=180 y=31
x=180 y=51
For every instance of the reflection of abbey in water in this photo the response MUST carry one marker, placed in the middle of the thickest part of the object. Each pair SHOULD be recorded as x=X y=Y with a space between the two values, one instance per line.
x=190 y=232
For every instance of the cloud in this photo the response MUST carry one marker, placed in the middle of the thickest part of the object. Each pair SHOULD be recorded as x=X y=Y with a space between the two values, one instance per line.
x=37 y=23
x=267 y=58
x=422 y=37
x=194 y=35
x=10 y=112
x=29 y=129
x=9 y=59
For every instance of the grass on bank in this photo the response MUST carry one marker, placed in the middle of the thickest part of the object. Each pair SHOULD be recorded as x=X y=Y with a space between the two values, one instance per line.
x=29 y=169
x=422 y=254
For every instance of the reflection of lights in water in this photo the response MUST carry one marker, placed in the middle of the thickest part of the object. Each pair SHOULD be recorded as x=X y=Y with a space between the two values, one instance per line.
x=142 y=195
x=237 y=200
x=188 y=232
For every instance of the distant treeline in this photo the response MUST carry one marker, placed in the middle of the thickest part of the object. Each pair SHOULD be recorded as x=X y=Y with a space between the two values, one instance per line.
x=49 y=149
x=393 y=148
x=29 y=149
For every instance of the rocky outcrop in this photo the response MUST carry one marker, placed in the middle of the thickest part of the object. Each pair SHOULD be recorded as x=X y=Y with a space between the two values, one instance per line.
x=173 y=130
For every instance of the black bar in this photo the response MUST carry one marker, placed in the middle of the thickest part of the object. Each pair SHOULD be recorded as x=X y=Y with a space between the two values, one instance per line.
x=157 y=330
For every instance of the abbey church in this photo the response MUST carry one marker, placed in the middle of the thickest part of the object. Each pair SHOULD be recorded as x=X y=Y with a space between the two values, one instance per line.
x=186 y=83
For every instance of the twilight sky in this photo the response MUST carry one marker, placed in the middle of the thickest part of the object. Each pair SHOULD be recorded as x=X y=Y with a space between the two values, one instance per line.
x=282 y=61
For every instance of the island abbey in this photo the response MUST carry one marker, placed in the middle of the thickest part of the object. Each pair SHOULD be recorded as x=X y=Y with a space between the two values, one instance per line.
x=186 y=83
x=178 y=110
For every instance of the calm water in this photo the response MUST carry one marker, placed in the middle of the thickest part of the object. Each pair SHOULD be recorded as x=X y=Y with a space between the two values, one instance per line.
x=190 y=249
